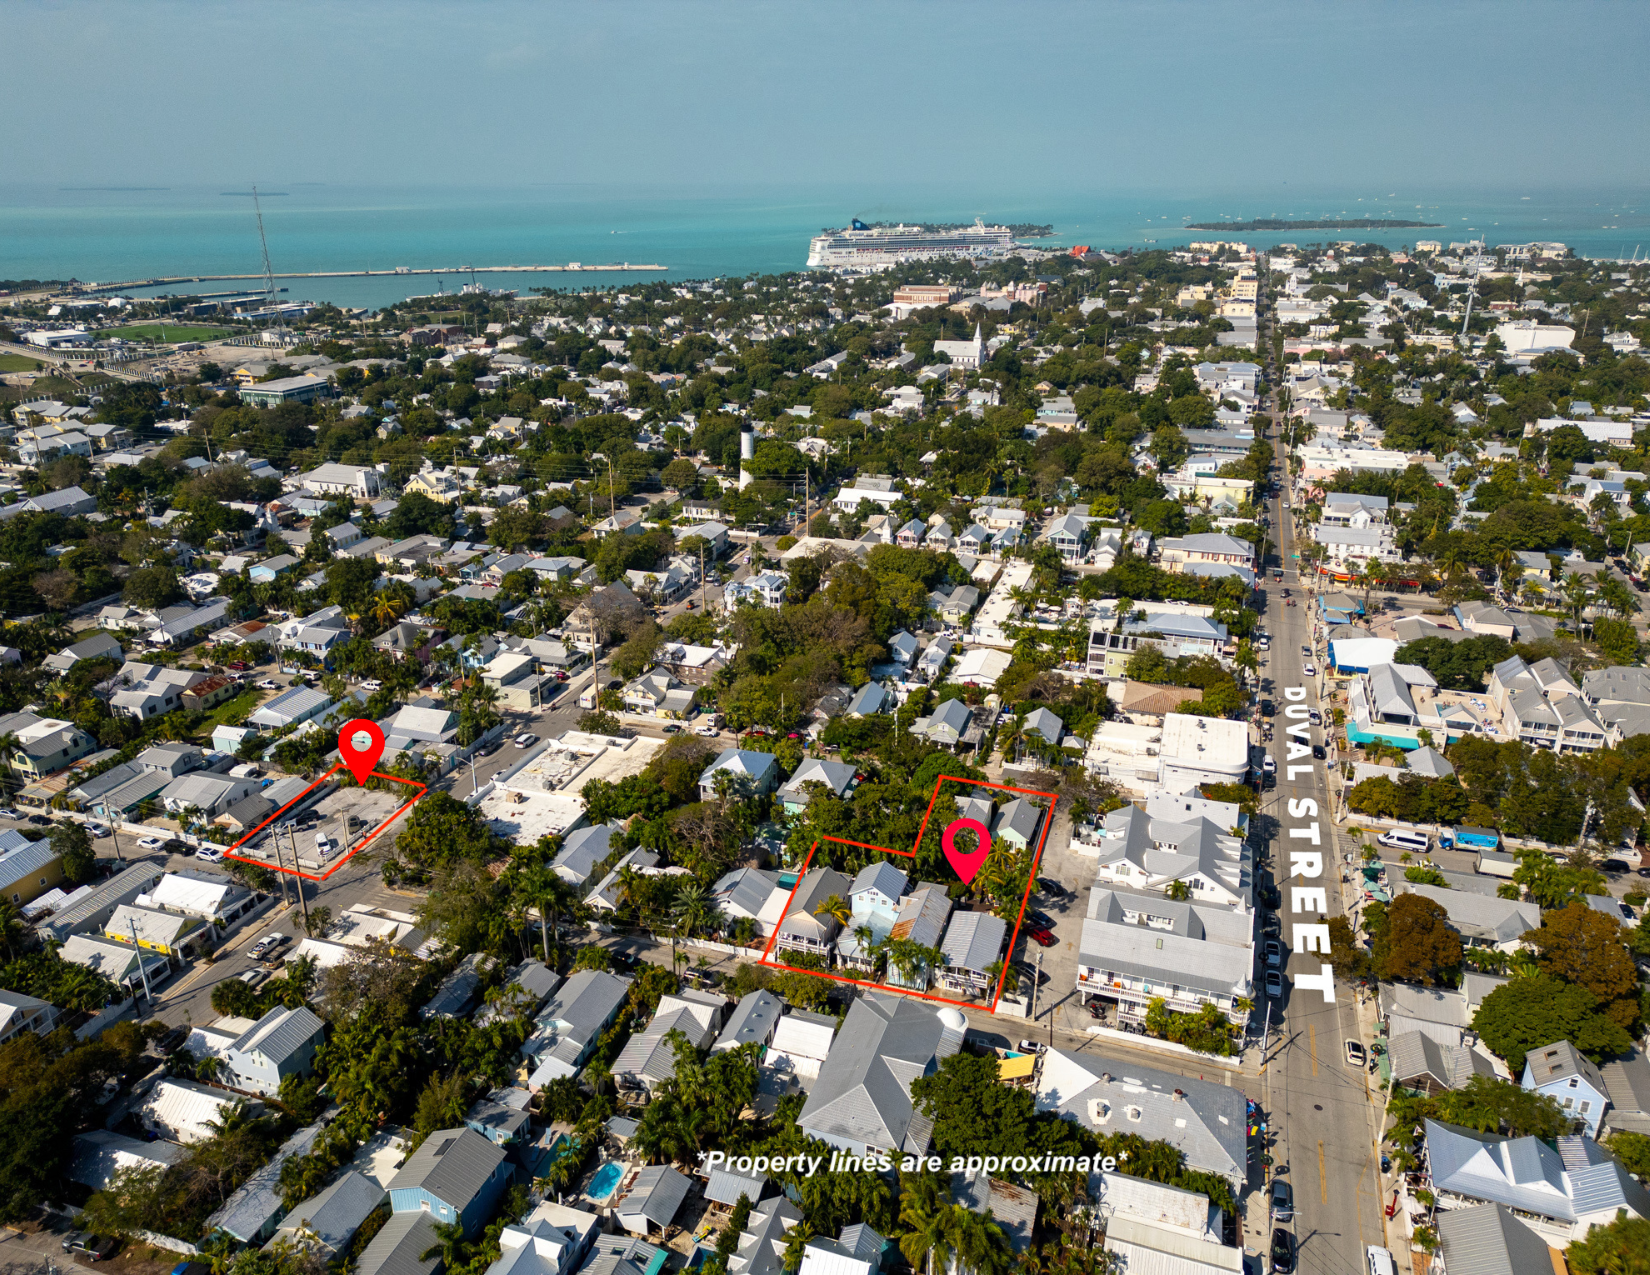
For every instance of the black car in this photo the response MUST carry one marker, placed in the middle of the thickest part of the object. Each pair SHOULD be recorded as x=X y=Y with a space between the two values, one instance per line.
x=1283 y=1251
x=1052 y=888
x=1036 y=918
x=1267 y=709
x=1270 y=896
x=1317 y=751
x=1269 y=780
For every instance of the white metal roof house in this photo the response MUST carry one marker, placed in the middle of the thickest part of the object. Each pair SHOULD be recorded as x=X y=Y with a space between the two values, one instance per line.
x=653 y=1198
x=1204 y=1120
x=280 y=1044
x=973 y=943
x=567 y=1029
x=752 y=772
x=182 y=1110
x=753 y=1022
x=1563 y=1193
x=255 y=1209
x=209 y=794
x=836 y=777
x=862 y=1097
x=551 y=1240
x=806 y=928
x=99 y=1154
x=20 y=1013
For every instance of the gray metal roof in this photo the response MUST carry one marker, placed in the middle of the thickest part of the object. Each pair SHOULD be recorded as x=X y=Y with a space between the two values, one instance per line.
x=333 y=1215
x=1523 y=1173
x=458 y=989
x=863 y=1093
x=726 y=1188
x=452 y=1165
x=582 y=849
x=973 y=940
x=279 y=1034
x=1019 y=817
x=1205 y=1120
x=257 y=1204
x=24 y=861
x=586 y=1002
x=656 y=1194
x=1489 y=1240
x=104 y=896
x=1014 y=1208
x=395 y=1249
x=753 y=1021
x=1478 y=915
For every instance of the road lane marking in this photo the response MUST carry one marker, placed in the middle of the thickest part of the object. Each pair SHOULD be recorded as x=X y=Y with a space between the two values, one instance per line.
x=1323 y=1181
x=1312 y=1047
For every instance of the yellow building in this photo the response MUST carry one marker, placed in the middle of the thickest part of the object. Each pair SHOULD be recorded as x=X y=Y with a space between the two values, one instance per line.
x=27 y=868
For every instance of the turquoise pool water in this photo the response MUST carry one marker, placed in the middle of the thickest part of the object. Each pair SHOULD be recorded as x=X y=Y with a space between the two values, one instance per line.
x=606 y=1181
x=787 y=879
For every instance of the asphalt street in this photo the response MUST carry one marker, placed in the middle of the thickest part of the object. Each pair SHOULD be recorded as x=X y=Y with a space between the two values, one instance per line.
x=1323 y=1111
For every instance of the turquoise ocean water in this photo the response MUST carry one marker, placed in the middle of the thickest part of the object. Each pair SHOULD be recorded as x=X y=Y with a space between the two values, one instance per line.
x=99 y=233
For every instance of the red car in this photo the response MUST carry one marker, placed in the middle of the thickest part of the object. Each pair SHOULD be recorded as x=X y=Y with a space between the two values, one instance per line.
x=1041 y=937
x=240 y=666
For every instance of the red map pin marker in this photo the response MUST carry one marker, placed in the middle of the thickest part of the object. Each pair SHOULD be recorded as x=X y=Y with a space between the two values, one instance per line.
x=360 y=760
x=966 y=864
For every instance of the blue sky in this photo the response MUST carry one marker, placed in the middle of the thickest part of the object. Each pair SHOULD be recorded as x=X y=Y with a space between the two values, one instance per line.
x=1160 y=96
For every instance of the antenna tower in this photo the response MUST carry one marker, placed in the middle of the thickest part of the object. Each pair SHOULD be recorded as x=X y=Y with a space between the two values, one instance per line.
x=269 y=272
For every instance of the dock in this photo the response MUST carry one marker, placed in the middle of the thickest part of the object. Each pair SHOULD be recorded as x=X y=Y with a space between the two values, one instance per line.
x=572 y=267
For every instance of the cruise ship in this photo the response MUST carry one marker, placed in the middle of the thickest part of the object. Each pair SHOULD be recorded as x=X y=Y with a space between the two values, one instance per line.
x=865 y=247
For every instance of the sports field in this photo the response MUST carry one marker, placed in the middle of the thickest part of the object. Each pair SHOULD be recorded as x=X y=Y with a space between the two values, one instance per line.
x=163 y=333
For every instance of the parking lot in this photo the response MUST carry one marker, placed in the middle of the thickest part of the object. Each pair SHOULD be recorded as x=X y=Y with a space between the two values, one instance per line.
x=343 y=816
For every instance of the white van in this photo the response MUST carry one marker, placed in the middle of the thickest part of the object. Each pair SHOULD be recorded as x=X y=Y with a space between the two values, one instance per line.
x=1380 y=1261
x=1404 y=839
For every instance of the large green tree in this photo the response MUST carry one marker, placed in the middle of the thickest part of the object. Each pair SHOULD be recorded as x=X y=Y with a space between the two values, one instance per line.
x=1528 y=1013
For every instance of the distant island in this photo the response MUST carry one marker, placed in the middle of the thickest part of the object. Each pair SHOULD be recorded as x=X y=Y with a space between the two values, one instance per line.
x=1019 y=229
x=1354 y=223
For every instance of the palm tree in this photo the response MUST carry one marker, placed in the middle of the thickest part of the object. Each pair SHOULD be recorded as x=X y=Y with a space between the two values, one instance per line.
x=449 y=1246
x=549 y=893
x=835 y=906
x=926 y=1237
x=981 y=1246
x=387 y=608
x=1177 y=890
x=695 y=910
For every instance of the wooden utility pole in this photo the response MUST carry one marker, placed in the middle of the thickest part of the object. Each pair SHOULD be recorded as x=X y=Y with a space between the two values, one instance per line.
x=298 y=881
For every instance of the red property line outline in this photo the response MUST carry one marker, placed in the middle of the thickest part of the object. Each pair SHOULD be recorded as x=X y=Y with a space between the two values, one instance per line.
x=423 y=789
x=1013 y=938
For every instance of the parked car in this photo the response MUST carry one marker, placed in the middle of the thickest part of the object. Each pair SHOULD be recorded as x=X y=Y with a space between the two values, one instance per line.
x=1274 y=983
x=1310 y=670
x=1283 y=1201
x=707 y=730
x=325 y=845
x=673 y=728
x=1052 y=888
x=209 y=854
x=1032 y=1047
x=1283 y=1252
x=264 y=946
x=1318 y=752
x=269 y=685
x=93 y=1248
x=1355 y=1056
x=9 y=812
x=1306 y=652
x=252 y=977
x=1269 y=766
x=42 y=820
x=238 y=666
x=151 y=843
x=526 y=739
x=1315 y=717
x=1041 y=937
x=95 y=829
x=1267 y=708
x=1274 y=953
x=372 y=685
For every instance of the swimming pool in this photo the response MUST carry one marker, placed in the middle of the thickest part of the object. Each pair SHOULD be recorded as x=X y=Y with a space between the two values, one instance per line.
x=787 y=880
x=606 y=1181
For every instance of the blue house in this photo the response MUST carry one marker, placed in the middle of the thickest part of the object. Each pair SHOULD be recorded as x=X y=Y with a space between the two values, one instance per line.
x=456 y=1175
x=1570 y=1080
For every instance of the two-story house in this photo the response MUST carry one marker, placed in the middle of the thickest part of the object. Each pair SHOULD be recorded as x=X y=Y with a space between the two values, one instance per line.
x=1570 y=1080
x=811 y=924
x=454 y=1178
x=280 y=1044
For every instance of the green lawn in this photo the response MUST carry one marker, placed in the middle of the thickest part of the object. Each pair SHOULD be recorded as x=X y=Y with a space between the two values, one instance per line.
x=164 y=333
x=232 y=712
x=17 y=363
